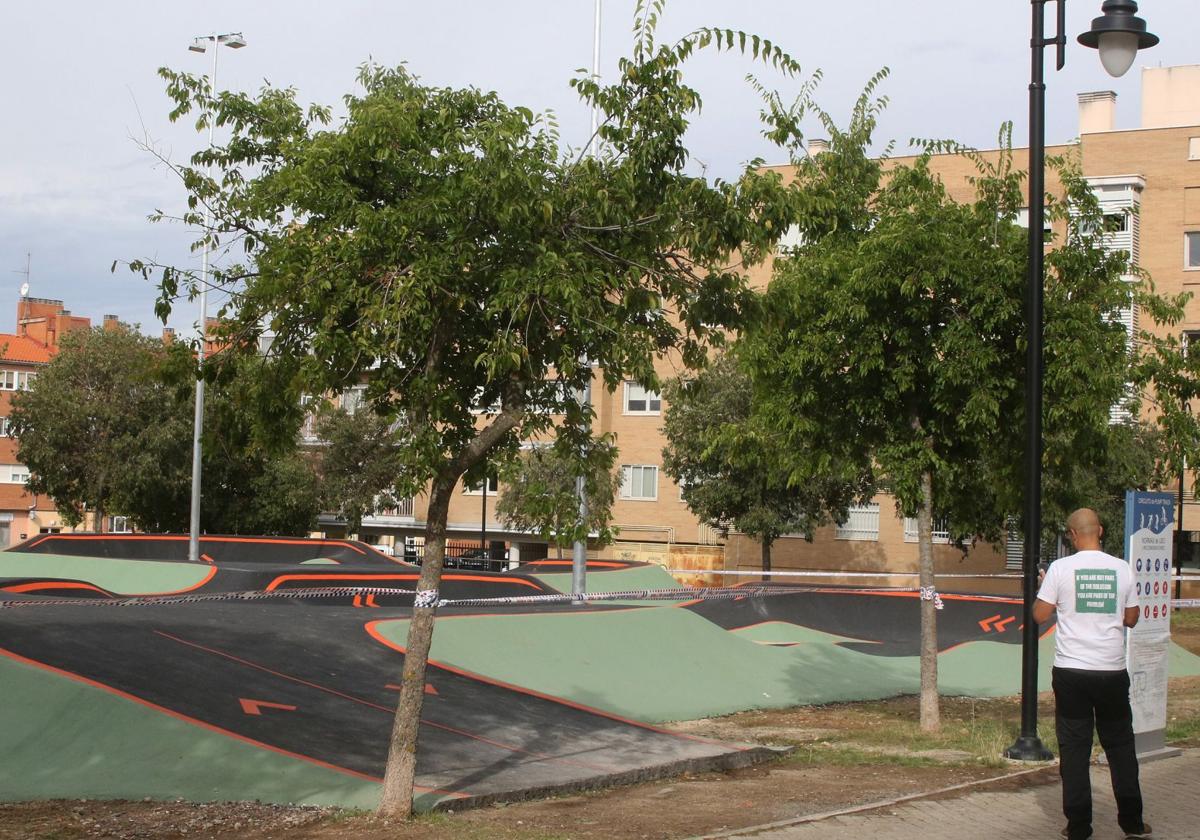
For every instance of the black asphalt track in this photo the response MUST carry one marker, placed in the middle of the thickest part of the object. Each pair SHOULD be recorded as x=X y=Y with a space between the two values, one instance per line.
x=318 y=684
x=311 y=677
x=213 y=548
x=887 y=623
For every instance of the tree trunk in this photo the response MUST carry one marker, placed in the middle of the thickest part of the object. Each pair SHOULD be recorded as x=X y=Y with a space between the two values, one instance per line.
x=931 y=719
x=766 y=558
x=398 y=779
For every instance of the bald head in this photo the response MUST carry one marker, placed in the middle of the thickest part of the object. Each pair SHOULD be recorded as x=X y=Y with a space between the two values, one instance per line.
x=1083 y=527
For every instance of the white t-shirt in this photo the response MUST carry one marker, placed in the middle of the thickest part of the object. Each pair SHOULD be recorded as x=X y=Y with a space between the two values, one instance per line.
x=1091 y=591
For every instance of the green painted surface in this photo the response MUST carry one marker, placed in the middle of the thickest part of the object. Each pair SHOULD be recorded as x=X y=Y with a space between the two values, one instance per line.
x=662 y=663
x=617 y=580
x=320 y=561
x=63 y=738
x=126 y=577
x=786 y=633
x=657 y=664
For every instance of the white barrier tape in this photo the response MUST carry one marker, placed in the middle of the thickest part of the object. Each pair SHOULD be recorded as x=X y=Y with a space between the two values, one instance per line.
x=677 y=594
x=928 y=593
x=832 y=573
x=1185 y=603
x=426 y=599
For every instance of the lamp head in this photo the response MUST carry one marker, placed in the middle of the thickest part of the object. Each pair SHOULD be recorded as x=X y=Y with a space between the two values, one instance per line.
x=199 y=45
x=233 y=40
x=1118 y=34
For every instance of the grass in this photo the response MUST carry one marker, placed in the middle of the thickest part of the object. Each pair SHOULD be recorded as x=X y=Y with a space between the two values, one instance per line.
x=826 y=754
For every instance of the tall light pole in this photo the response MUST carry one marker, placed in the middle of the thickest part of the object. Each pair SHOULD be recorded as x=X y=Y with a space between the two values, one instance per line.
x=579 y=552
x=203 y=43
x=1118 y=34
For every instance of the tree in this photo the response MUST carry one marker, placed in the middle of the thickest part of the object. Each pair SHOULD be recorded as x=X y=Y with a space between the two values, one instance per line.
x=97 y=405
x=358 y=461
x=441 y=243
x=726 y=460
x=538 y=494
x=892 y=340
x=1135 y=457
x=108 y=426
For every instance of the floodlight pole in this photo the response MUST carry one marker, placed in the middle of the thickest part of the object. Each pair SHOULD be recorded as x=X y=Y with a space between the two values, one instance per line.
x=202 y=44
x=579 y=553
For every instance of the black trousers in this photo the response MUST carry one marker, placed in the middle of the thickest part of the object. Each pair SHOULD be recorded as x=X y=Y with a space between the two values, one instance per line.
x=1084 y=700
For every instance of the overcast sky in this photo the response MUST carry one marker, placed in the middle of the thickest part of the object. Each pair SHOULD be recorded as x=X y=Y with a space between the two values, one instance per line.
x=78 y=83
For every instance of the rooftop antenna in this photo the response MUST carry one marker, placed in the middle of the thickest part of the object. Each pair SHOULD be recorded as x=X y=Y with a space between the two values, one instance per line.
x=25 y=272
x=24 y=293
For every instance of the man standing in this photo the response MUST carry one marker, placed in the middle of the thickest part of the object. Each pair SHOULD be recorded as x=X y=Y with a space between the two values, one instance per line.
x=1093 y=593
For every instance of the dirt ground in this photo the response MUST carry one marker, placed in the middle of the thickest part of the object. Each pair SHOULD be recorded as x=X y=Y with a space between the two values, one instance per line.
x=680 y=807
x=844 y=755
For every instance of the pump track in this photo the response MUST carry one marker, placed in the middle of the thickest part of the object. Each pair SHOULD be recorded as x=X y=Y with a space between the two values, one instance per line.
x=291 y=699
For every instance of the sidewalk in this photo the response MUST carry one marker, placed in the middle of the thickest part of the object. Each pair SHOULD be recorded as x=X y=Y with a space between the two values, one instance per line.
x=1169 y=787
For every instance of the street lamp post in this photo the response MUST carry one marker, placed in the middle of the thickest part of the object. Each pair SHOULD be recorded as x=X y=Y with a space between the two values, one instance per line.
x=1118 y=34
x=203 y=43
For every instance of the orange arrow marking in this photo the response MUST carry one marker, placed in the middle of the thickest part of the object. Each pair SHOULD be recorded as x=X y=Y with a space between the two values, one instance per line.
x=986 y=624
x=371 y=600
x=358 y=600
x=1000 y=625
x=255 y=707
x=429 y=689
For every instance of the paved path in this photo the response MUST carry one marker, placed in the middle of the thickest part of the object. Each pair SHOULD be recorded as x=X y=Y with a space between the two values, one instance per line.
x=1170 y=787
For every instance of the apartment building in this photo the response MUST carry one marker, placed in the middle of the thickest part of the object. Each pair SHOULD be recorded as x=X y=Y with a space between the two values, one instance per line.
x=1148 y=179
x=41 y=323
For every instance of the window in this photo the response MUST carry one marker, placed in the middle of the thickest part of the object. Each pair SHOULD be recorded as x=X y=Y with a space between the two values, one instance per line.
x=1116 y=222
x=118 y=524
x=1194 y=148
x=862 y=523
x=941 y=530
x=5 y=427
x=1023 y=219
x=16 y=380
x=639 y=481
x=14 y=474
x=354 y=398
x=476 y=489
x=640 y=401
x=1191 y=242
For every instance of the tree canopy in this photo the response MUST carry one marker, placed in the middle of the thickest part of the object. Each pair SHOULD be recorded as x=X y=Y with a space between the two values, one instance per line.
x=726 y=460
x=445 y=247
x=108 y=425
x=539 y=494
x=892 y=341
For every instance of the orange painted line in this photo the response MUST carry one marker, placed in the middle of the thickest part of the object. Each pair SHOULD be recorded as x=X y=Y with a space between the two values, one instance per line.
x=986 y=624
x=72 y=585
x=429 y=689
x=212 y=573
x=275 y=584
x=1001 y=625
x=187 y=719
x=368 y=703
x=370 y=627
x=255 y=707
x=62 y=584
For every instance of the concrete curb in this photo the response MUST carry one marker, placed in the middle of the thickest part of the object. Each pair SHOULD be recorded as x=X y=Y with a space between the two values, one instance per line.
x=724 y=761
x=750 y=831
